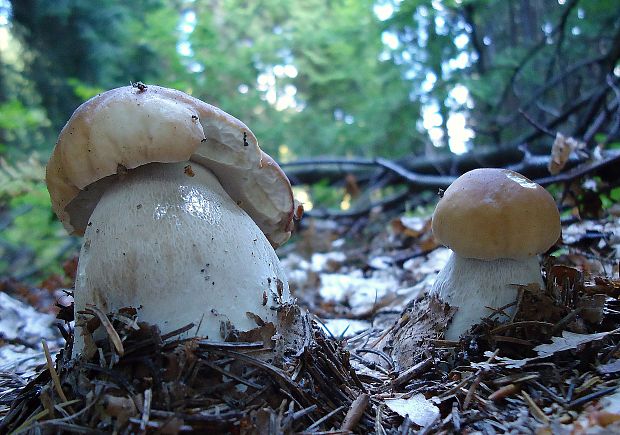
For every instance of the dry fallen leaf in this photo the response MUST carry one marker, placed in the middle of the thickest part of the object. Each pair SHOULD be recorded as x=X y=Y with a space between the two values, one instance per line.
x=511 y=363
x=569 y=341
x=592 y=307
x=560 y=152
x=411 y=226
x=609 y=368
x=422 y=322
x=420 y=410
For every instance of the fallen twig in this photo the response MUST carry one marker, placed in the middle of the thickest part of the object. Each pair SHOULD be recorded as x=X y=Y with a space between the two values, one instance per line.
x=355 y=412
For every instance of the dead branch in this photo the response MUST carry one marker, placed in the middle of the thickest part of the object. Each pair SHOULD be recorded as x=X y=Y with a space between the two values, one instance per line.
x=308 y=171
x=395 y=173
x=420 y=171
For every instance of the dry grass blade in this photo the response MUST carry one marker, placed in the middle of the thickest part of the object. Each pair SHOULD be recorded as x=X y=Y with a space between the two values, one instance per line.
x=116 y=340
x=379 y=429
x=58 y=423
x=535 y=409
x=53 y=373
x=280 y=374
x=176 y=332
x=237 y=345
x=471 y=391
x=26 y=425
x=474 y=385
x=233 y=376
x=457 y=387
x=310 y=429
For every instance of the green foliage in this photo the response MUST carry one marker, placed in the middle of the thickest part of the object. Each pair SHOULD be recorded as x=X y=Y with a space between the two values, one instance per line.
x=423 y=211
x=18 y=125
x=310 y=73
x=339 y=95
x=16 y=116
x=611 y=198
x=82 y=90
x=309 y=78
x=15 y=121
x=345 y=91
x=33 y=229
x=512 y=51
x=323 y=195
x=97 y=43
x=31 y=240
x=20 y=178
x=614 y=145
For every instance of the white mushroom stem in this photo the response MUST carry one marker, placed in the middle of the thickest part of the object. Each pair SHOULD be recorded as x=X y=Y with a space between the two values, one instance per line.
x=167 y=239
x=472 y=285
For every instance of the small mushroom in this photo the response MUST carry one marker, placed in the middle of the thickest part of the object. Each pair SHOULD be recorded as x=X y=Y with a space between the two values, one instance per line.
x=495 y=221
x=179 y=208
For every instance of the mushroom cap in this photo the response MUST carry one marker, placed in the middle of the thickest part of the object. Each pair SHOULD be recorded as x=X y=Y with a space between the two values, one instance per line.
x=131 y=126
x=496 y=213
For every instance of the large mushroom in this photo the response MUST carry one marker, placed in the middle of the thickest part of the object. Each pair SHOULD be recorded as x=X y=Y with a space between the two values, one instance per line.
x=495 y=221
x=179 y=208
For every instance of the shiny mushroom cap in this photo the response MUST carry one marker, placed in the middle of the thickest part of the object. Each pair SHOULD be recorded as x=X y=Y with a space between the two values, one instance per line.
x=490 y=214
x=128 y=127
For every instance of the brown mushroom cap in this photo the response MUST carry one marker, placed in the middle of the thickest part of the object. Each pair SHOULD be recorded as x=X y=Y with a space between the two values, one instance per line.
x=496 y=213
x=128 y=127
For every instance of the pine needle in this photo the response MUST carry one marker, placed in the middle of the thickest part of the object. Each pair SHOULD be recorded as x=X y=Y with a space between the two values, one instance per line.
x=53 y=373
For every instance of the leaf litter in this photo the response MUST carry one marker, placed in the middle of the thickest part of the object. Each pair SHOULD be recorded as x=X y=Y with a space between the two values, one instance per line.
x=553 y=368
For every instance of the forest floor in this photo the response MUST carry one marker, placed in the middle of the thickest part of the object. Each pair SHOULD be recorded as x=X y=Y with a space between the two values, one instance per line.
x=553 y=368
